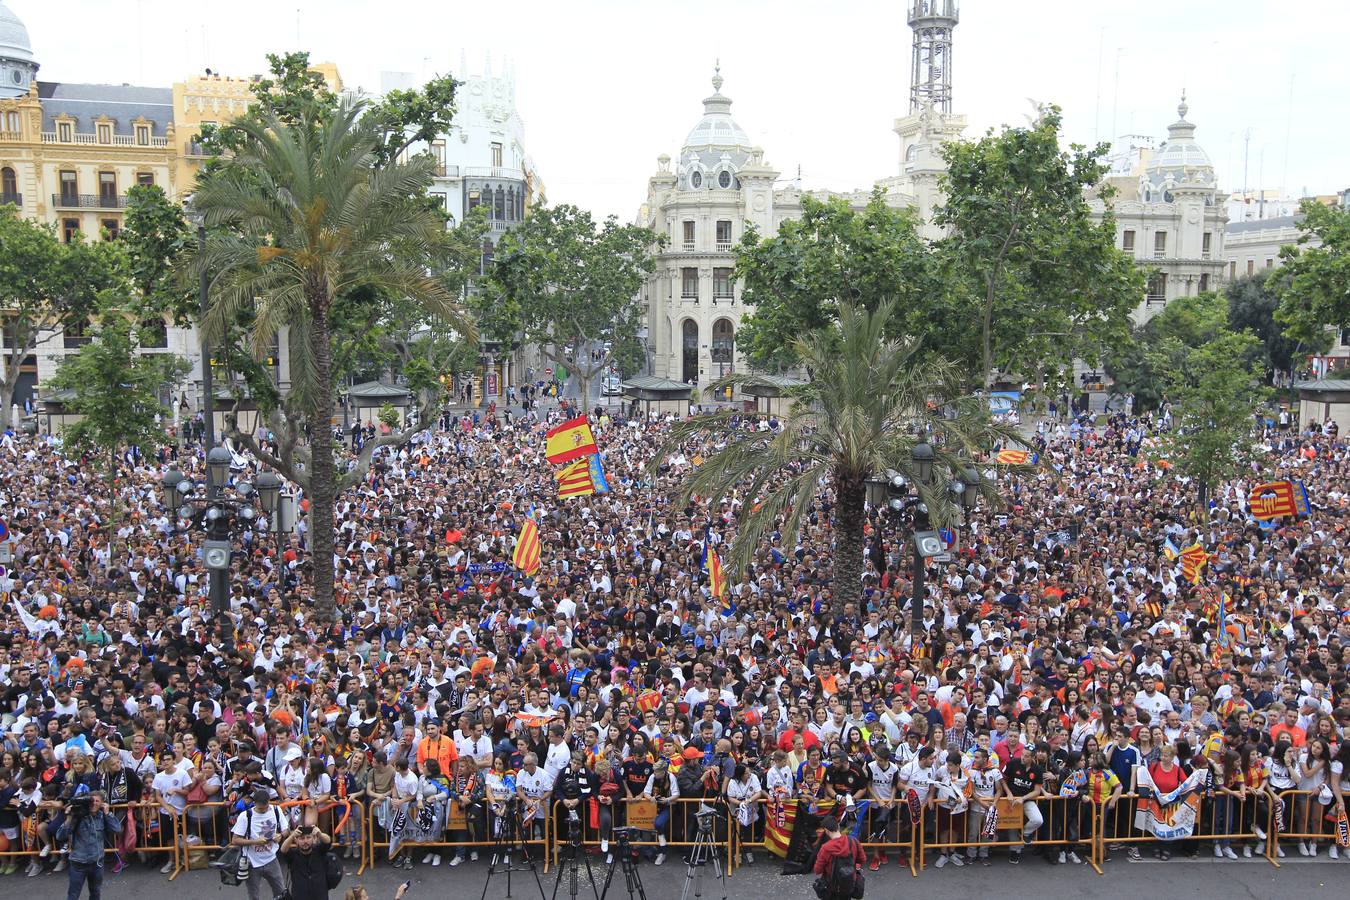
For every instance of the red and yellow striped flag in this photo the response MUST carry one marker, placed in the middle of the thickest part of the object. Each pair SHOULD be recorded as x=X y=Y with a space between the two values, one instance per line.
x=528 y=548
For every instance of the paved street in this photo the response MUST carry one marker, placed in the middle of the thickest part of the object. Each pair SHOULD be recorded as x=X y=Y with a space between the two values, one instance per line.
x=1182 y=879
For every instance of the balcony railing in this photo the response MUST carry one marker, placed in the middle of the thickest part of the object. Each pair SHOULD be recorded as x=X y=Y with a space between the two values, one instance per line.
x=6 y=136
x=493 y=172
x=7 y=197
x=195 y=149
x=88 y=201
x=724 y=246
x=1159 y=253
x=688 y=246
x=118 y=140
x=689 y=294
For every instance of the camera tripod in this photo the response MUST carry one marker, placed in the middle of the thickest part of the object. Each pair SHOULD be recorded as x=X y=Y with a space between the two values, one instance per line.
x=507 y=839
x=573 y=858
x=703 y=851
x=623 y=859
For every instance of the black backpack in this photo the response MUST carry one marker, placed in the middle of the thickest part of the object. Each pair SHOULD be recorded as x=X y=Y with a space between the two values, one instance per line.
x=845 y=879
x=332 y=869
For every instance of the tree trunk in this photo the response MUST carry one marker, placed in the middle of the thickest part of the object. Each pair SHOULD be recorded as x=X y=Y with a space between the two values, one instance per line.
x=322 y=483
x=7 y=390
x=850 y=494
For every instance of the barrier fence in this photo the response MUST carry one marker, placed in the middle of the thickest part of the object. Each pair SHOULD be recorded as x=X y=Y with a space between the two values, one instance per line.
x=1047 y=823
x=668 y=822
x=1219 y=824
x=1262 y=821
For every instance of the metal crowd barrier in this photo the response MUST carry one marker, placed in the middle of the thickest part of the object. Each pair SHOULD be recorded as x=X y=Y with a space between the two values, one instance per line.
x=145 y=816
x=211 y=822
x=1305 y=821
x=1062 y=826
x=679 y=829
x=457 y=820
x=900 y=833
x=1221 y=820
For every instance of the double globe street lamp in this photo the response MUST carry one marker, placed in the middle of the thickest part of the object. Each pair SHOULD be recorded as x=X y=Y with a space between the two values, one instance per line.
x=206 y=507
x=891 y=493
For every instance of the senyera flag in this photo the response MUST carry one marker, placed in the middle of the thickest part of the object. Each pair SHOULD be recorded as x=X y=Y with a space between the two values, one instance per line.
x=1017 y=457
x=570 y=440
x=581 y=478
x=528 y=548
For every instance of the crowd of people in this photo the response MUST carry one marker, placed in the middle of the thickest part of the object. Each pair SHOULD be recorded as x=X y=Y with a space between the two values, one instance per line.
x=1062 y=655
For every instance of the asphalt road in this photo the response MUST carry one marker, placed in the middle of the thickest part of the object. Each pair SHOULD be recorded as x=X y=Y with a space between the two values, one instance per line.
x=1148 y=879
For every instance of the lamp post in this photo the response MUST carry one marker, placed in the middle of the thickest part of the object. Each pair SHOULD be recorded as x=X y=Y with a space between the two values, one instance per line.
x=206 y=507
x=269 y=494
x=891 y=493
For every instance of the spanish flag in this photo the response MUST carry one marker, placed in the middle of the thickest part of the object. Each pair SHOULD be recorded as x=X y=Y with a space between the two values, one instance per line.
x=1017 y=457
x=582 y=478
x=526 y=557
x=570 y=440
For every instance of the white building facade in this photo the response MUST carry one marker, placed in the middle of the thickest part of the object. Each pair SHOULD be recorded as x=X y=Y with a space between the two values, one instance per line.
x=1170 y=214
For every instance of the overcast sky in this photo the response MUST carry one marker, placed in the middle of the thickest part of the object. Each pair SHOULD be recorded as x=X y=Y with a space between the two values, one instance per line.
x=605 y=86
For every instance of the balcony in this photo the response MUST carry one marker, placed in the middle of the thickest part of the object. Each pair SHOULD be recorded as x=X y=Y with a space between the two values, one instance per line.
x=493 y=172
x=8 y=197
x=688 y=246
x=118 y=140
x=88 y=201
x=724 y=246
x=194 y=150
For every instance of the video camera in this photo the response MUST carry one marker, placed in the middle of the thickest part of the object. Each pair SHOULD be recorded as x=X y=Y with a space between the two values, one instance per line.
x=79 y=802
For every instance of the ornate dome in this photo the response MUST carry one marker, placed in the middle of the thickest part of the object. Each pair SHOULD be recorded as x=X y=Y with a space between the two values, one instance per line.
x=1180 y=157
x=14 y=43
x=717 y=128
x=17 y=65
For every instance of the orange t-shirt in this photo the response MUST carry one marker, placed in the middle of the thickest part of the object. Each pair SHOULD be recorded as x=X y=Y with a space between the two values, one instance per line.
x=442 y=750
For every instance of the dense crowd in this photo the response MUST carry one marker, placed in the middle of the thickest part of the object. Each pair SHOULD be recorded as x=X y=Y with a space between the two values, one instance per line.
x=1063 y=653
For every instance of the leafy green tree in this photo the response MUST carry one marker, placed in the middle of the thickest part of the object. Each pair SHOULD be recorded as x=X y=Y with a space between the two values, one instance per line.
x=870 y=401
x=1186 y=324
x=1252 y=303
x=1043 y=282
x=304 y=218
x=1315 y=293
x=560 y=282
x=795 y=280
x=116 y=392
x=154 y=233
x=1212 y=377
x=45 y=286
x=293 y=94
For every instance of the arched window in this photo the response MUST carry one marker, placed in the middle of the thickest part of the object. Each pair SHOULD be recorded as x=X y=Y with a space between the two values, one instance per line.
x=511 y=205
x=690 y=346
x=9 y=186
x=500 y=204
x=723 y=341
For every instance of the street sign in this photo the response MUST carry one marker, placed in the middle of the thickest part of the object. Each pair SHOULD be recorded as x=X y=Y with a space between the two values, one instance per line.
x=4 y=532
x=548 y=373
x=3 y=571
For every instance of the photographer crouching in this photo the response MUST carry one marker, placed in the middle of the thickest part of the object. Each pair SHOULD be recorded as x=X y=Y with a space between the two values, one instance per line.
x=87 y=826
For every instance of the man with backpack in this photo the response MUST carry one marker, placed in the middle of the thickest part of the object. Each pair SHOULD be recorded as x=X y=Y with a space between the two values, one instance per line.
x=839 y=863
x=258 y=832
x=309 y=864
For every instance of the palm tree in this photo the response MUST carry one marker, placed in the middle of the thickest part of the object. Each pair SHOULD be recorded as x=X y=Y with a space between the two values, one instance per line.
x=869 y=402
x=303 y=219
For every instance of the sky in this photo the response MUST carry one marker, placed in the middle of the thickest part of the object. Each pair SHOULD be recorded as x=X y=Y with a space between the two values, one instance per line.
x=606 y=86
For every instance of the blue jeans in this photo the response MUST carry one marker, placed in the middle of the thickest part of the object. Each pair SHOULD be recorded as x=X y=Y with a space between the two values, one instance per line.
x=78 y=874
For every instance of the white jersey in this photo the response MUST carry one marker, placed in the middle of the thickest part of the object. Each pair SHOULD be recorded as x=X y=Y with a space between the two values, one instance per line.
x=534 y=786
x=918 y=777
x=883 y=780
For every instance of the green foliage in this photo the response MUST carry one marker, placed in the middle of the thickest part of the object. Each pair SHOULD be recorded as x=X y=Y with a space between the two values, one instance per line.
x=558 y=280
x=1212 y=377
x=404 y=118
x=292 y=94
x=389 y=416
x=1315 y=293
x=870 y=401
x=116 y=390
x=796 y=279
x=307 y=229
x=1187 y=323
x=46 y=285
x=1035 y=281
x=154 y=233
x=1252 y=304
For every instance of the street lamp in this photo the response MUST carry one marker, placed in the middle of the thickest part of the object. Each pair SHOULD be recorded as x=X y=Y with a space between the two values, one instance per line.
x=215 y=514
x=891 y=492
x=269 y=493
